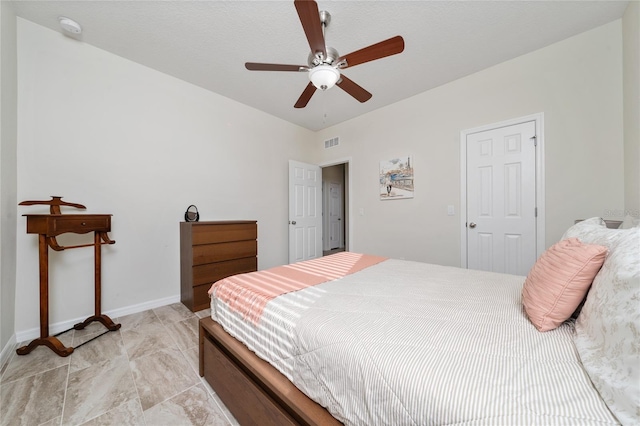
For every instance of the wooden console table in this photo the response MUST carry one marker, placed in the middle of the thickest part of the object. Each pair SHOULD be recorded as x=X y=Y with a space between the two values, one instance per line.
x=48 y=227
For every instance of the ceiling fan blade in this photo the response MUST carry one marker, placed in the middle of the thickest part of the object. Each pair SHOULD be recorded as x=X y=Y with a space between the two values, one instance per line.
x=256 y=66
x=303 y=100
x=385 y=48
x=353 y=89
x=309 y=15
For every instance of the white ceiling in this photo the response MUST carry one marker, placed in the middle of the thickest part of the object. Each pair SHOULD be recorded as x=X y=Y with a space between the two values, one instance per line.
x=207 y=43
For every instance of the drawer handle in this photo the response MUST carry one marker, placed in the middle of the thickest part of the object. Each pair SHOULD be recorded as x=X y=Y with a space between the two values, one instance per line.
x=84 y=223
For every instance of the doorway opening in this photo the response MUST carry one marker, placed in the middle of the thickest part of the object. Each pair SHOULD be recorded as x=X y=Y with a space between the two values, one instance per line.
x=335 y=208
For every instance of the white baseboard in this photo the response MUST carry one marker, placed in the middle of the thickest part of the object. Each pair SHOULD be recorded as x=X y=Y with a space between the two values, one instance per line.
x=32 y=333
x=7 y=351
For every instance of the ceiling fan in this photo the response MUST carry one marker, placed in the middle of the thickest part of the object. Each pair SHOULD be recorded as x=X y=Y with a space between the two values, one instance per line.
x=324 y=64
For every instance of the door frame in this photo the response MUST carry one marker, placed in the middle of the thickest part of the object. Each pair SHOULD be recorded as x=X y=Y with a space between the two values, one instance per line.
x=539 y=168
x=348 y=229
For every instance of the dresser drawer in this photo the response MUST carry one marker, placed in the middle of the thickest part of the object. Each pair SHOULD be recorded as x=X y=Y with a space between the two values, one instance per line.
x=82 y=225
x=53 y=225
x=224 y=251
x=217 y=233
x=201 y=299
x=212 y=272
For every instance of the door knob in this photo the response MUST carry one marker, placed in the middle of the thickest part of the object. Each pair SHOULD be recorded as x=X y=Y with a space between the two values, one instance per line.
x=472 y=225
x=292 y=222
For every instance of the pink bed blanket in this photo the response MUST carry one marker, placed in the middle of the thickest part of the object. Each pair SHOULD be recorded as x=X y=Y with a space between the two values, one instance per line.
x=248 y=294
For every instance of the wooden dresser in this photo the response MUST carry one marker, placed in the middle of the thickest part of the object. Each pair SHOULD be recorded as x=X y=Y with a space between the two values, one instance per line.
x=210 y=251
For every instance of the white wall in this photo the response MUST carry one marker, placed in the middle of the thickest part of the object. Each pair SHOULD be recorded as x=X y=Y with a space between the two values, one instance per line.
x=8 y=175
x=121 y=138
x=576 y=83
x=631 y=49
x=127 y=140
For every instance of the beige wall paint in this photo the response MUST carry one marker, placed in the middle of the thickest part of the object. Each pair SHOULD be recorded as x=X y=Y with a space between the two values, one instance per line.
x=165 y=144
x=124 y=139
x=8 y=176
x=576 y=83
x=631 y=49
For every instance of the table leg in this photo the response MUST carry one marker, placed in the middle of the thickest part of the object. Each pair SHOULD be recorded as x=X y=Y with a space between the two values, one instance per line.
x=50 y=341
x=103 y=319
x=43 y=249
x=98 y=316
x=97 y=248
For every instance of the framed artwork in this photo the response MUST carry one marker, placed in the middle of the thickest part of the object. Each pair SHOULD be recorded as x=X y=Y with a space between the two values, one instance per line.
x=396 y=178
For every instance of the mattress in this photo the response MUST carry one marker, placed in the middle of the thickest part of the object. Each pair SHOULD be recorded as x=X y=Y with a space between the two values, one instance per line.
x=409 y=343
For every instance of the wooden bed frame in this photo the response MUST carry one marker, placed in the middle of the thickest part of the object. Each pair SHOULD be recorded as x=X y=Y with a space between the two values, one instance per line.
x=253 y=390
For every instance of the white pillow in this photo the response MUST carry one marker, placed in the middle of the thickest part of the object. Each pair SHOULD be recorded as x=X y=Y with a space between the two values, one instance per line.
x=583 y=228
x=608 y=327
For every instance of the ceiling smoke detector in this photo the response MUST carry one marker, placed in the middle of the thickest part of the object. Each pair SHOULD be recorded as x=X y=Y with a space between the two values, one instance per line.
x=69 y=25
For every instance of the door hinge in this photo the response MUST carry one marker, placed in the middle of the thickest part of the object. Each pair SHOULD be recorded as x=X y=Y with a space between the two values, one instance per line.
x=535 y=140
x=535 y=212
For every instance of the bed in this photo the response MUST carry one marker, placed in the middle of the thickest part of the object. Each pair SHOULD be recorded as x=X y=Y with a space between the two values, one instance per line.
x=399 y=342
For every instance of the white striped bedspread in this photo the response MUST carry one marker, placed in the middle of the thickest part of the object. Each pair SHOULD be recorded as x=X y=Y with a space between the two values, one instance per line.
x=409 y=343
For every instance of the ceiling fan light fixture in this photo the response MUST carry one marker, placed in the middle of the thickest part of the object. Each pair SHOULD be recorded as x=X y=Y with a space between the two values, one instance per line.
x=324 y=76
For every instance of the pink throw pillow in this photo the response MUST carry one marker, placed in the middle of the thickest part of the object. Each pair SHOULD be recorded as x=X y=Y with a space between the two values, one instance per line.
x=559 y=280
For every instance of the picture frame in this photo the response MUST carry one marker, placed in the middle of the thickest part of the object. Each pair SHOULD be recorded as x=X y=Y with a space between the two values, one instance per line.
x=396 y=178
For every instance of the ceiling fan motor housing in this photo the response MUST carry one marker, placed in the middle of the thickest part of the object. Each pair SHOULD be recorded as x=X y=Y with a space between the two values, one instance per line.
x=315 y=60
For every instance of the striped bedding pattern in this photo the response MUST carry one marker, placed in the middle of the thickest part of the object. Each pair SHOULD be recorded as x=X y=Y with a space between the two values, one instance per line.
x=408 y=343
x=249 y=293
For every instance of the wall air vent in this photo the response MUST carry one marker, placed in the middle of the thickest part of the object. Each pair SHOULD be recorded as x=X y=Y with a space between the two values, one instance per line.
x=330 y=143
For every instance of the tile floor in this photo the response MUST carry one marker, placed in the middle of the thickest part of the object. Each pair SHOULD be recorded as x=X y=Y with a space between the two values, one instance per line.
x=146 y=373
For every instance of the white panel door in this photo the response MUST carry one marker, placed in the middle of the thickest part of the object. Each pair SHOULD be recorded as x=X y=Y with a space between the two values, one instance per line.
x=305 y=211
x=501 y=199
x=335 y=216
